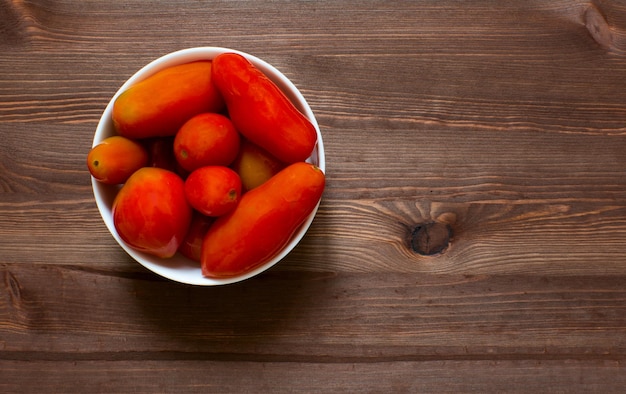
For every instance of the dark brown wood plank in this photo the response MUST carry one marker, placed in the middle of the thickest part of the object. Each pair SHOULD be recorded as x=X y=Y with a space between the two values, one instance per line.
x=441 y=73
x=103 y=312
x=533 y=205
x=500 y=121
x=288 y=377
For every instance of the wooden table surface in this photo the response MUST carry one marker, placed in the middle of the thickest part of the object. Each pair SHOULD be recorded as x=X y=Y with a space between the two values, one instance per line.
x=499 y=123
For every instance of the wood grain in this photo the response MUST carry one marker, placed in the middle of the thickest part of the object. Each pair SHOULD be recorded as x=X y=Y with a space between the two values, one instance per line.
x=406 y=316
x=429 y=376
x=501 y=121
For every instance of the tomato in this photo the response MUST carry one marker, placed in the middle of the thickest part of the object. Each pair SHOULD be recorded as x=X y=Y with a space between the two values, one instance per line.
x=161 y=153
x=255 y=165
x=261 y=111
x=115 y=159
x=213 y=190
x=192 y=244
x=151 y=213
x=263 y=222
x=208 y=139
x=160 y=104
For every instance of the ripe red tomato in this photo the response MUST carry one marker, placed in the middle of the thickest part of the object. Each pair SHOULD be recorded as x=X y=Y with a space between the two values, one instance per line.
x=115 y=159
x=263 y=221
x=160 y=104
x=151 y=213
x=192 y=245
x=261 y=111
x=208 y=139
x=213 y=190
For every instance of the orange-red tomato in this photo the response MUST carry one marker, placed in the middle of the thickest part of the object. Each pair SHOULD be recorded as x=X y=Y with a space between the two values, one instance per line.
x=115 y=159
x=263 y=222
x=255 y=165
x=213 y=190
x=208 y=139
x=192 y=244
x=261 y=111
x=160 y=104
x=151 y=213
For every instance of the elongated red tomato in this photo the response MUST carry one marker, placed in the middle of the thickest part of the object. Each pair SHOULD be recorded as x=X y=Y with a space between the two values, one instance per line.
x=263 y=222
x=159 y=105
x=261 y=111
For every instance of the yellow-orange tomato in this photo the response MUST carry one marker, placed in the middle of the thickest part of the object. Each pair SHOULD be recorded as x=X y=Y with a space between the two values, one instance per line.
x=159 y=105
x=213 y=190
x=255 y=165
x=115 y=159
x=151 y=213
x=263 y=222
x=208 y=139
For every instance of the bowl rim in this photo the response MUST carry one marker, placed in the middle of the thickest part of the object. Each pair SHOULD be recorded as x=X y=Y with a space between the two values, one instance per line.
x=179 y=268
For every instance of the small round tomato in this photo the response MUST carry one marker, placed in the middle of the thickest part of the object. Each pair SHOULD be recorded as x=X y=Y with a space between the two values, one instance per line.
x=151 y=212
x=208 y=139
x=213 y=190
x=115 y=159
x=192 y=244
x=255 y=165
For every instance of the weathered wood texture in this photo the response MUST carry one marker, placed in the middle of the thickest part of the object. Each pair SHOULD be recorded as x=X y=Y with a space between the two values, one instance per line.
x=502 y=121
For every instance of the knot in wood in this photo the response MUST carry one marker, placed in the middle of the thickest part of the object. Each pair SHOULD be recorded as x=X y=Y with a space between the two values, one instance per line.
x=430 y=238
x=598 y=27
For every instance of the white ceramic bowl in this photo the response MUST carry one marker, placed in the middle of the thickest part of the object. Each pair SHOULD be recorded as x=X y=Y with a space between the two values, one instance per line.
x=179 y=268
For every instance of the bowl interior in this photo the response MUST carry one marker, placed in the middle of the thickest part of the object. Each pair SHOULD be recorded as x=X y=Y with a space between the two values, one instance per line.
x=179 y=268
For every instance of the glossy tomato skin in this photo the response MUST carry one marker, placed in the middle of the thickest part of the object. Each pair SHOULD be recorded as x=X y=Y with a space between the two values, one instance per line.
x=261 y=111
x=159 y=105
x=115 y=159
x=255 y=165
x=207 y=139
x=263 y=222
x=213 y=190
x=151 y=213
x=192 y=244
